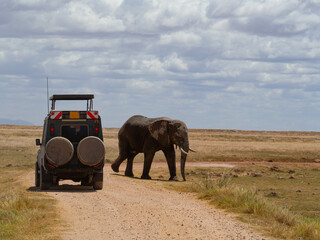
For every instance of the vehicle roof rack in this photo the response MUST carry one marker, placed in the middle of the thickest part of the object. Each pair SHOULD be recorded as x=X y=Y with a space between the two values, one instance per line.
x=87 y=97
x=72 y=97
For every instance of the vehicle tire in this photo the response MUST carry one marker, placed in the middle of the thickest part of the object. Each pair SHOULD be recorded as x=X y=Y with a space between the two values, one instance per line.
x=97 y=181
x=45 y=180
x=59 y=151
x=91 y=151
x=85 y=182
x=37 y=175
x=55 y=181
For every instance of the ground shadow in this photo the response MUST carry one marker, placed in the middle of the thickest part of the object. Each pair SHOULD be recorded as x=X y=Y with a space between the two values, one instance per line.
x=153 y=179
x=64 y=188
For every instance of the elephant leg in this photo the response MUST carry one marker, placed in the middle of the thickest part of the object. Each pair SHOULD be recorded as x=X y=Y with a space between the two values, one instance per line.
x=170 y=155
x=123 y=154
x=148 y=158
x=129 y=171
x=116 y=164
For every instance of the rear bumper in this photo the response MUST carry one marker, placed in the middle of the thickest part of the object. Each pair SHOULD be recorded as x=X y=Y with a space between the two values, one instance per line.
x=71 y=172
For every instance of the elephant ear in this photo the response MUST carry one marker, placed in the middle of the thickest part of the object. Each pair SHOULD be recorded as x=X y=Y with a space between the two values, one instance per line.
x=159 y=131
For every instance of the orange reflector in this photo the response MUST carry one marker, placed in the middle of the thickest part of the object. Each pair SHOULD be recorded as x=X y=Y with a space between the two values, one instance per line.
x=74 y=115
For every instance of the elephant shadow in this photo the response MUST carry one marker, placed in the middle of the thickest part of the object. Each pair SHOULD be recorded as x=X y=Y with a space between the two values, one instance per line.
x=138 y=178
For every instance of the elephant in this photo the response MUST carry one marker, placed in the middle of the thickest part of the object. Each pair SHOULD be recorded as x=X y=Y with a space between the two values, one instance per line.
x=140 y=134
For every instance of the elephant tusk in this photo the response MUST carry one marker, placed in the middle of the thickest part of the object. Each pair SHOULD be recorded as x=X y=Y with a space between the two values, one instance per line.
x=183 y=151
x=192 y=150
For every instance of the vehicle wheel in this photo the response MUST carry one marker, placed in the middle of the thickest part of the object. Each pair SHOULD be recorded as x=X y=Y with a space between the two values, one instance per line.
x=45 y=180
x=37 y=175
x=55 y=181
x=97 y=181
x=85 y=182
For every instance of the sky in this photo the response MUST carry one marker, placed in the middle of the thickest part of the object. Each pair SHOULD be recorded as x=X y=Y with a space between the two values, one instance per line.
x=220 y=64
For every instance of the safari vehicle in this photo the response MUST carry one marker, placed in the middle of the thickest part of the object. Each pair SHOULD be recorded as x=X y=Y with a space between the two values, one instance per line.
x=72 y=146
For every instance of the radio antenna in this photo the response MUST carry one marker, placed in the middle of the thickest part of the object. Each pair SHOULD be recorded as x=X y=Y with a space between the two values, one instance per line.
x=48 y=93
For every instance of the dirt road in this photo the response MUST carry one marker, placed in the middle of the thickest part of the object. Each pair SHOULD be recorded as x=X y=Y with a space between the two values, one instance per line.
x=130 y=208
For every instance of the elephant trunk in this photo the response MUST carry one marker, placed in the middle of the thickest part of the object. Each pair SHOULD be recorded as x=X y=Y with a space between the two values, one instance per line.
x=184 y=152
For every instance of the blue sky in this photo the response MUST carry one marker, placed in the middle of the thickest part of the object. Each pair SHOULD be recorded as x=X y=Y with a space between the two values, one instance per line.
x=222 y=64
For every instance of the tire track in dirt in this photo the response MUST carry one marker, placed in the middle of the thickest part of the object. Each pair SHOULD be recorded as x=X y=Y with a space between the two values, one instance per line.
x=127 y=208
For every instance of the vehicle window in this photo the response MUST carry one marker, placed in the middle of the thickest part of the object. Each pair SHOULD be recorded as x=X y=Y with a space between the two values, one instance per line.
x=75 y=133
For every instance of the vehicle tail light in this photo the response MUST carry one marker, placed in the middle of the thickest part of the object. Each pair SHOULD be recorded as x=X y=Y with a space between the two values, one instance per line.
x=96 y=129
x=51 y=129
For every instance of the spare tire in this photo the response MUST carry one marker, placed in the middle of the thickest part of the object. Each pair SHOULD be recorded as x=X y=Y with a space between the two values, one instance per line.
x=91 y=151
x=59 y=151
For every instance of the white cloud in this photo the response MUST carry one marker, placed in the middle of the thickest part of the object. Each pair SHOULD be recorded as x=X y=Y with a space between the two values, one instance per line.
x=69 y=59
x=154 y=86
x=241 y=88
x=140 y=84
x=2 y=55
x=81 y=17
x=174 y=63
x=176 y=13
x=184 y=38
x=226 y=59
x=270 y=8
x=223 y=9
x=152 y=65
x=212 y=83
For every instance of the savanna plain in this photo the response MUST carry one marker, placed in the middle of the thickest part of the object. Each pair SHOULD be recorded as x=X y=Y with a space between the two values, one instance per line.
x=271 y=181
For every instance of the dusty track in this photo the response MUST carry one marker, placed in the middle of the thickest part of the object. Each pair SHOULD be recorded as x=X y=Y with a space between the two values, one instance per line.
x=129 y=208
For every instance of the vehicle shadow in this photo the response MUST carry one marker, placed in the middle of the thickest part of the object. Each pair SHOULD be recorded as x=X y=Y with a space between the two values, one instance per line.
x=64 y=188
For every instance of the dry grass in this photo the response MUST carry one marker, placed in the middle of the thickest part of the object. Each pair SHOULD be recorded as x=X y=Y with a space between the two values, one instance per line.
x=26 y=215
x=281 y=222
x=211 y=145
x=23 y=214
x=19 y=136
x=232 y=145
x=282 y=200
x=235 y=146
